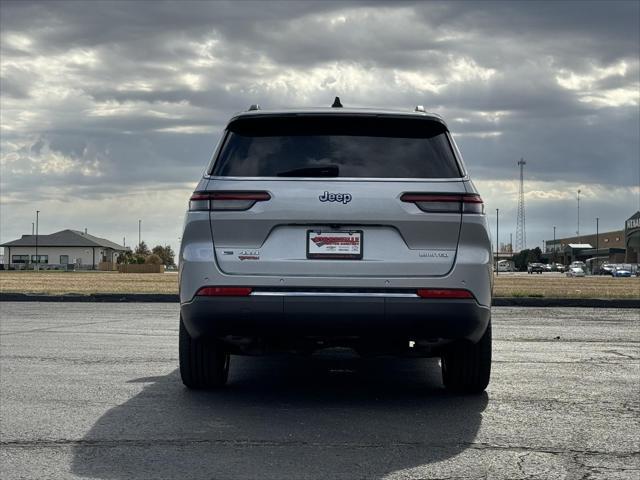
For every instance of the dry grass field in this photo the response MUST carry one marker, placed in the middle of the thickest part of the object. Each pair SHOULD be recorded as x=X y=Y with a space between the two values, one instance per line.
x=56 y=283
x=560 y=286
x=507 y=285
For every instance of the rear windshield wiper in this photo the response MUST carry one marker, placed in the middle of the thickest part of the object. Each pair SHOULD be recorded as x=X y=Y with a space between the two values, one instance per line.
x=326 y=171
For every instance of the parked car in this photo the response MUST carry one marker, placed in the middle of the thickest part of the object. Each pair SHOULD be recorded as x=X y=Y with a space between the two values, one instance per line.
x=621 y=272
x=575 y=272
x=535 y=268
x=342 y=227
x=607 y=269
x=504 y=266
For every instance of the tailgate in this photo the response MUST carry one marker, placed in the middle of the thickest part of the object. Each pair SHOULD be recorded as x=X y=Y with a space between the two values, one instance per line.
x=395 y=238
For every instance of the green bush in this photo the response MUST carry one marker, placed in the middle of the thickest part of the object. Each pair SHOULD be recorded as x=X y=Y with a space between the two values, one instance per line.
x=153 y=259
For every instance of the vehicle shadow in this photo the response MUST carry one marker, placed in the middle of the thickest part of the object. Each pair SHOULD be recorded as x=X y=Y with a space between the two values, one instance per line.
x=285 y=417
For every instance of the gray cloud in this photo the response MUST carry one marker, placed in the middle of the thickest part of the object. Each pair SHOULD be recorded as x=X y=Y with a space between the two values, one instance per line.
x=122 y=96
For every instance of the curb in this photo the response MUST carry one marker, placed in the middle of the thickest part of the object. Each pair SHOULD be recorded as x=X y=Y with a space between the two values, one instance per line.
x=566 y=302
x=173 y=298
x=94 y=297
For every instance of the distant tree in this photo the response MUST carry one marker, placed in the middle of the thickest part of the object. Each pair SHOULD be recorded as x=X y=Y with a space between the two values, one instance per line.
x=525 y=257
x=142 y=249
x=535 y=255
x=153 y=259
x=520 y=260
x=125 y=257
x=166 y=254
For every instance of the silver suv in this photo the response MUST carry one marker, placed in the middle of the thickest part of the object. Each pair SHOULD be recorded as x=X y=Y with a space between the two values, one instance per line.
x=329 y=227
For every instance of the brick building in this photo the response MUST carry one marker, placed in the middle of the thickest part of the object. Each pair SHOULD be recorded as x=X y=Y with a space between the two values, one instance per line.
x=618 y=246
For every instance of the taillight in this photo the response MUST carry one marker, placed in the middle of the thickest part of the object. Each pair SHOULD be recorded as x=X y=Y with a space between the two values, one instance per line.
x=446 y=202
x=444 y=293
x=224 y=292
x=226 y=200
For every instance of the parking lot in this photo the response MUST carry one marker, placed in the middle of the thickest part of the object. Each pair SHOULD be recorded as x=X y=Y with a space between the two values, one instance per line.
x=92 y=391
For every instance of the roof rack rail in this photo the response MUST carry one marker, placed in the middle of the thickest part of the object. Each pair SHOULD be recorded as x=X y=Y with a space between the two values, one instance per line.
x=419 y=108
x=336 y=103
x=253 y=107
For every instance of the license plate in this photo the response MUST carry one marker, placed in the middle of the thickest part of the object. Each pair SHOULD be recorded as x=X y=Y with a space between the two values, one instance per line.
x=345 y=245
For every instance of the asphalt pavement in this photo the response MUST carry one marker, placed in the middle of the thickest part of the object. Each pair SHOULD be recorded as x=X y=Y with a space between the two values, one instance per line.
x=92 y=391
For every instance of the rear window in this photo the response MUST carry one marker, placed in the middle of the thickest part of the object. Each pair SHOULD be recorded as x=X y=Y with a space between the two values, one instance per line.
x=335 y=146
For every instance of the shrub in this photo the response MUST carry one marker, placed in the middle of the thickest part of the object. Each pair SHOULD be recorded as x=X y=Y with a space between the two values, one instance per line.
x=153 y=259
x=165 y=253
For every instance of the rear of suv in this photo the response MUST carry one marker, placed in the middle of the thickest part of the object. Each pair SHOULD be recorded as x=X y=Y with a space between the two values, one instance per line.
x=336 y=227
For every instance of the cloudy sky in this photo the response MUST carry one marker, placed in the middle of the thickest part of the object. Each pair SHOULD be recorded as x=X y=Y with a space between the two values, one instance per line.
x=110 y=110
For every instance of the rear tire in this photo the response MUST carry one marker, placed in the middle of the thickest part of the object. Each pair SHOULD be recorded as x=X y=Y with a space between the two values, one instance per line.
x=204 y=363
x=466 y=366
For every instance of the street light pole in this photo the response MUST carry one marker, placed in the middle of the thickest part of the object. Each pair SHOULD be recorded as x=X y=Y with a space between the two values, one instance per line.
x=37 y=258
x=597 y=244
x=578 y=232
x=497 y=240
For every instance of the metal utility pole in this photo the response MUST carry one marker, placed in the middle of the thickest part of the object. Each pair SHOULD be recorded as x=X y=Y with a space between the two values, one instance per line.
x=37 y=258
x=497 y=239
x=511 y=243
x=554 y=244
x=123 y=242
x=521 y=235
x=139 y=232
x=597 y=245
x=578 y=231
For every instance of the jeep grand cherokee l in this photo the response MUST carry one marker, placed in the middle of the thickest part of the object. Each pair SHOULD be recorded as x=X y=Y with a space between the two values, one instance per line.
x=318 y=228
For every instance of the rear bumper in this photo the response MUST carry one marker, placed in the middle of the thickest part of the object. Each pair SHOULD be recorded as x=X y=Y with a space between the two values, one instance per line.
x=318 y=316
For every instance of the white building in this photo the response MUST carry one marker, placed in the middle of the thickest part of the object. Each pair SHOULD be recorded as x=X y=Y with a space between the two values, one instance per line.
x=67 y=247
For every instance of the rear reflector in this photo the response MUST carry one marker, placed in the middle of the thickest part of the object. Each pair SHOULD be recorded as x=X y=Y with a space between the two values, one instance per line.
x=224 y=292
x=445 y=203
x=444 y=293
x=226 y=200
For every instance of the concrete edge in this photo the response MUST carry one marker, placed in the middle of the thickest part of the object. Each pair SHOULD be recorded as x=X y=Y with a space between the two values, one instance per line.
x=566 y=302
x=173 y=298
x=94 y=297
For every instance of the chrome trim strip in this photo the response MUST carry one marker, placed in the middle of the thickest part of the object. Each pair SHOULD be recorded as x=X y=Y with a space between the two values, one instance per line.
x=263 y=293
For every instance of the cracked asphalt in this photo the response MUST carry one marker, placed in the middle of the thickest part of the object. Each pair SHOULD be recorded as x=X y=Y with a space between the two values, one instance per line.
x=92 y=391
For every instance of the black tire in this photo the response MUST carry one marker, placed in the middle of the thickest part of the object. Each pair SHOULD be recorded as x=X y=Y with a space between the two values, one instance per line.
x=204 y=363
x=466 y=366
